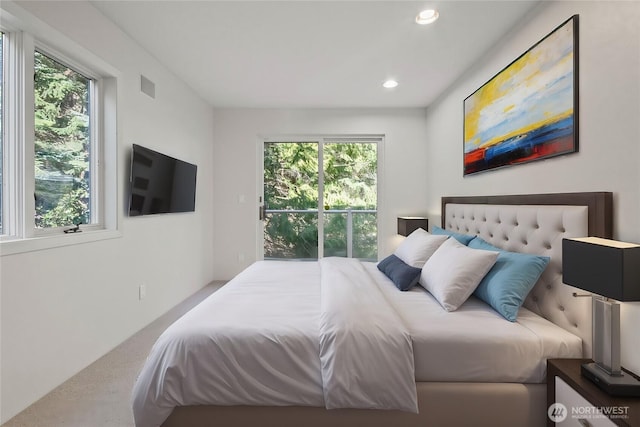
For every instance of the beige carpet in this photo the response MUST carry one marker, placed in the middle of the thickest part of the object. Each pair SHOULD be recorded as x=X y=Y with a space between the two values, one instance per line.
x=99 y=396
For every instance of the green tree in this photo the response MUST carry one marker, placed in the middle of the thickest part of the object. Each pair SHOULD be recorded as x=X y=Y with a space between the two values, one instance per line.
x=350 y=180
x=62 y=144
x=291 y=182
x=291 y=177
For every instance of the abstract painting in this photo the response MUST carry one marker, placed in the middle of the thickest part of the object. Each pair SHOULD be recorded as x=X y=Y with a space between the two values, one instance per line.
x=529 y=110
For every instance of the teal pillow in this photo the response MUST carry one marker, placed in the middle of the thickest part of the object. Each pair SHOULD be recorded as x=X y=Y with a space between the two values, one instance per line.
x=510 y=280
x=402 y=275
x=462 y=238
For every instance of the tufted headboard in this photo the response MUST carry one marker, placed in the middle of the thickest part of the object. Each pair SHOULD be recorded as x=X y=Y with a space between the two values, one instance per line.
x=537 y=223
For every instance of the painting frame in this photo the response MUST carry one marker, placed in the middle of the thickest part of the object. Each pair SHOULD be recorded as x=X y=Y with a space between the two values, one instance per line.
x=528 y=111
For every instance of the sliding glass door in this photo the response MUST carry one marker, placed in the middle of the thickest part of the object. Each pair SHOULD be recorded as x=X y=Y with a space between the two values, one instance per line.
x=320 y=198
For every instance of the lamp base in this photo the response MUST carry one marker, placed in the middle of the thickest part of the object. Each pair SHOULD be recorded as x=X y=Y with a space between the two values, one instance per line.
x=626 y=384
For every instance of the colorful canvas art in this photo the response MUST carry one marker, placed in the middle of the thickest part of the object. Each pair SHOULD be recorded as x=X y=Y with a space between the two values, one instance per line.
x=528 y=111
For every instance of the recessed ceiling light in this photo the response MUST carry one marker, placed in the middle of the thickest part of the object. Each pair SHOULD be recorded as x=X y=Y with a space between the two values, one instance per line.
x=390 y=84
x=428 y=16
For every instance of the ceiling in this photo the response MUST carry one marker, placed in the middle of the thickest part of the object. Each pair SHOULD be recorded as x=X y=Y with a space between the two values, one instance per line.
x=315 y=54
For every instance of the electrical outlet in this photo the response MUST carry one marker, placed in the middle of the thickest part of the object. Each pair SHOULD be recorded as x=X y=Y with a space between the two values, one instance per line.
x=142 y=291
x=241 y=257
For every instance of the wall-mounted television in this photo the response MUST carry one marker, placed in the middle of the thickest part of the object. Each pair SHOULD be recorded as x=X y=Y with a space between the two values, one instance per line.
x=160 y=183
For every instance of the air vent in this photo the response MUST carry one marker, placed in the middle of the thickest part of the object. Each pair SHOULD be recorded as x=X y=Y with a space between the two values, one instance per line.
x=147 y=86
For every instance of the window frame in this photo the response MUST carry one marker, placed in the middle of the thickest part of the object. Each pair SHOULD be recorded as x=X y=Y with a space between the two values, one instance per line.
x=322 y=140
x=25 y=35
x=95 y=126
x=13 y=130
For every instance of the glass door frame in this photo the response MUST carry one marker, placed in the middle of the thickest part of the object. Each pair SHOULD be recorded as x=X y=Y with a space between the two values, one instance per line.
x=321 y=140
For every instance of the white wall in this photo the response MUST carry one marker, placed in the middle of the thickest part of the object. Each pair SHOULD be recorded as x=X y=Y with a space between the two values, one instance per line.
x=237 y=163
x=609 y=155
x=63 y=308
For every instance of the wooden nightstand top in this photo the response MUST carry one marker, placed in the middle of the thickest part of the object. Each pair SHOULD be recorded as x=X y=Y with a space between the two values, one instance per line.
x=569 y=371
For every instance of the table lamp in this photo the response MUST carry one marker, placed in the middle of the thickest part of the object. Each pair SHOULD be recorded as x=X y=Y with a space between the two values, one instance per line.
x=610 y=270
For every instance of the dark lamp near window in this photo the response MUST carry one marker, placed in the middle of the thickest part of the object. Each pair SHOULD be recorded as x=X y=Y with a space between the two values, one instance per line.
x=611 y=271
x=408 y=224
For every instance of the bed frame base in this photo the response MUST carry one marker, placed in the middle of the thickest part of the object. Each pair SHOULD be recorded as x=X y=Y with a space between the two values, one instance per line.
x=441 y=404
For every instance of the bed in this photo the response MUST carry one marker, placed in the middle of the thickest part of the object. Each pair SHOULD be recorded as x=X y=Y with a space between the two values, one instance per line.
x=464 y=366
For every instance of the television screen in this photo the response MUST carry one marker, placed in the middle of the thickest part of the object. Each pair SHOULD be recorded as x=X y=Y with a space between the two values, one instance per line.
x=160 y=184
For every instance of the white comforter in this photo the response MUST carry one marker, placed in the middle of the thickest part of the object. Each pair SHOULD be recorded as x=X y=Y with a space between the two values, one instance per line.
x=366 y=352
x=281 y=336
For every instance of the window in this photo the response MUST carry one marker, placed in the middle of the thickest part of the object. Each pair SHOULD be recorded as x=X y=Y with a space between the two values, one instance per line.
x=58 y=146
x=320 y=198
x=62 y=144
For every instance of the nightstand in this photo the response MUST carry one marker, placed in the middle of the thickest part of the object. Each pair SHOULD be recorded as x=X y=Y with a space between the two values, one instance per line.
x=580 y=397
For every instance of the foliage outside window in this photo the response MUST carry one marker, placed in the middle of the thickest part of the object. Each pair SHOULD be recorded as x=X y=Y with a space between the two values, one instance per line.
x=62 y=144
x=291 y=182
x=350 y=182
x=58 y=151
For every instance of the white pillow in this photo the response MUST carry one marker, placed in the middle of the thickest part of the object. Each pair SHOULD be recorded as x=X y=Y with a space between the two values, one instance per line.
x=416 y=249
x=454 y=271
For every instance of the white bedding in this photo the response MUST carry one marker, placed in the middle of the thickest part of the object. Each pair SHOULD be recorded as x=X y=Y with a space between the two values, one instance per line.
x=270 y=337
x=253 y=342
x=365 y=348
x=257 y=341
x=475 y=343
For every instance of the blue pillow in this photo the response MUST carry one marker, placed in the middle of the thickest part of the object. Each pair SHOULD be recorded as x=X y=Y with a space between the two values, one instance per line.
x=403 y=276
x=510 y=280
x=462 y=238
